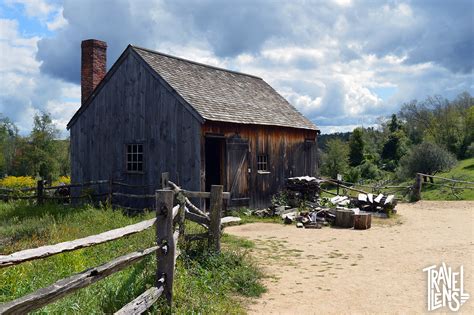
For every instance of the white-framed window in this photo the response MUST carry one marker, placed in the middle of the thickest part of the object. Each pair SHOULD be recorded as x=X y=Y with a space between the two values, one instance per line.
x=262 y=163
x=134 y=157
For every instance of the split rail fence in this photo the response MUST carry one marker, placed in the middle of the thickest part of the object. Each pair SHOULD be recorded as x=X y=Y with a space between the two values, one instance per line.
x=172 y=208
x=383 y=187
x=455 y=186
x=109 y=191
x=414 y=191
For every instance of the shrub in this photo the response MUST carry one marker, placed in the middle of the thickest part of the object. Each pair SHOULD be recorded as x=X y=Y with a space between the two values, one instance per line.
x=427 y=158
x=353 y=175
x=17 y=182
x=62 y=180
x=470 y=150
x=369 y=170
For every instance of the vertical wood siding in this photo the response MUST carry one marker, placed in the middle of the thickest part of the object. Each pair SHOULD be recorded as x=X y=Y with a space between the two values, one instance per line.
x=133 y=107
x=291 y=152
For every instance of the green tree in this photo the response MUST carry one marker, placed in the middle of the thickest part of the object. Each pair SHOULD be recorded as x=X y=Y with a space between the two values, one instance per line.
x=394 y=124
x=440 y=121
x=394 y=148
x=39 y=154
x=8 y=139
x=356 y=147
x=427 y=158
x=336 y=158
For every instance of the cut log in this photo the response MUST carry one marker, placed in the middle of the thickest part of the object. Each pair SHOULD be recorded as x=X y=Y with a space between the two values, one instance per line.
x=362 y=221
x=362 y=197
x=378 y=198
x=389 y=199
x=344 y=218
x=227 y=221
x=370 y=198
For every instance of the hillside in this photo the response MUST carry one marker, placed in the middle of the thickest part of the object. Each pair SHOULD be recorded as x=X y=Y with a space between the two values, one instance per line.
x=464 y=170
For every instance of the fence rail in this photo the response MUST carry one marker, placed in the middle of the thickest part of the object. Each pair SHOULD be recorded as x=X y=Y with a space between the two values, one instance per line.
x=169 y=225
x=452 y=184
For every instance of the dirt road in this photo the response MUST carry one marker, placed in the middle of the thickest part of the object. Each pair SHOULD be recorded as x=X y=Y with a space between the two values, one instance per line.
x=373 y=271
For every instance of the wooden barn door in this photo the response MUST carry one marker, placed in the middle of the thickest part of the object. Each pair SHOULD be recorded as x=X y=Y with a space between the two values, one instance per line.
x=237 y=171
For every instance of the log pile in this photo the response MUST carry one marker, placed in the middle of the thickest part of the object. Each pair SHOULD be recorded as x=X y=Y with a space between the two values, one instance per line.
x=300 y=204
x=379 y=203
x=304 y=188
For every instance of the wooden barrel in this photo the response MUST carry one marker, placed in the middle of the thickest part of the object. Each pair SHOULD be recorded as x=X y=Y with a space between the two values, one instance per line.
x=362 y=221
x=344 y=218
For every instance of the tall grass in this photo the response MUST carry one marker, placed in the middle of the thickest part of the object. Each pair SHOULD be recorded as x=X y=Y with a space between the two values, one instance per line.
x=204 y=283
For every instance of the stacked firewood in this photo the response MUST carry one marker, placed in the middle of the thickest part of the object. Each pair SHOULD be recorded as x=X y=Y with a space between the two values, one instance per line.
x=379 y=203
x=304 y=188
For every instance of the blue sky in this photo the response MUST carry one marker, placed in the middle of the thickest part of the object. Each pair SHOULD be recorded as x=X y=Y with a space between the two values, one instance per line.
x=342 y=63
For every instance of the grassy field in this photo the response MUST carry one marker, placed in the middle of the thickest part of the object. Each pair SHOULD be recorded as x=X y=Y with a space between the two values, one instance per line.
x=205 y=283
x=464 y=170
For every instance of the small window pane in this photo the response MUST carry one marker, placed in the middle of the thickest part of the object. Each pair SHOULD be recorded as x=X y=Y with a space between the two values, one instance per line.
x=262 y=162
x=134 y=158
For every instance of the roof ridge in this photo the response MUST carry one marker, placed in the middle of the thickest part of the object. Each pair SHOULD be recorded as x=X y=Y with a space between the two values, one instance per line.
x=194 y=62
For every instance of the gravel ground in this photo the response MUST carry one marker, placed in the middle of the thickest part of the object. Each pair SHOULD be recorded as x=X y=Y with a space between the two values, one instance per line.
x=373 y=271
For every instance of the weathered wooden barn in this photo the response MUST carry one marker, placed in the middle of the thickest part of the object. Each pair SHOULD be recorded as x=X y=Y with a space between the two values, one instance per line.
x=153 y=113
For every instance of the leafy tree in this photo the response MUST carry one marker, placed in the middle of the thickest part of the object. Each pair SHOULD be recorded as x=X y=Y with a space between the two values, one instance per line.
x=356 y=147
x=394 y=124
x=8 y=138
x=441 y=121
x=336 y=159
x=427 y=158
x=38 y=154
x=394 y=148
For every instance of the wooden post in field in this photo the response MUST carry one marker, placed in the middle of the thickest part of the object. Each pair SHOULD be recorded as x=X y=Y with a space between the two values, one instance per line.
x=417 y=187
x=215 y=216
x=164 y=237
x=39 y=192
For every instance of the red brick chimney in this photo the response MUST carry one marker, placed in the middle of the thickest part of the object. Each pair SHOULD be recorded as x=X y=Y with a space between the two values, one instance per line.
x=93 y=66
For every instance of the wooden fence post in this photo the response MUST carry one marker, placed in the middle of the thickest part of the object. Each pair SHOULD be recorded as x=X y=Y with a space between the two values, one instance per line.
x=164 y=180
x=417 y=187
x=164 y=237
x=216 y=213
x=39 y=192
x=109 y=202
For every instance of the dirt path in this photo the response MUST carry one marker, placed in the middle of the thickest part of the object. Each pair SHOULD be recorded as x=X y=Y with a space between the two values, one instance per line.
x=373 y=271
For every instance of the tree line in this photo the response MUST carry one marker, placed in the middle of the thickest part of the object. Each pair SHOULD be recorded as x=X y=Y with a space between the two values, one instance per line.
x=40 y=154
x=424 y=136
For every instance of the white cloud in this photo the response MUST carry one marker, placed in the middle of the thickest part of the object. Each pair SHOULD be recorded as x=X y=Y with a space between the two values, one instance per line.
x=34 y=8
x=342 y=63
x=25 y=90
x=57 y=22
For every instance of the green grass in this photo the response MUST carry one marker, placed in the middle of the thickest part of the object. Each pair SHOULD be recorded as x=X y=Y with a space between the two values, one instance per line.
x=243 y=214
x=204 y=282
x=464 y=170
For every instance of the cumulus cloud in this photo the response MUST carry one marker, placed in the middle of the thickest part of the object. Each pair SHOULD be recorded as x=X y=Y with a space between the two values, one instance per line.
x=25 y=90
x=342 y=63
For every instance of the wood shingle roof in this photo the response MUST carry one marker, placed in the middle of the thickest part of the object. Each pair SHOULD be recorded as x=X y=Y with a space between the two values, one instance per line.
x=224 y=95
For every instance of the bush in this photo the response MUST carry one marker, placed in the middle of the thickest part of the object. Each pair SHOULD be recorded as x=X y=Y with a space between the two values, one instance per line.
x=427 y=158
x=369 y=170
x=17 y=182
x=62 y=180
x=470 y=150
x=353 y=175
